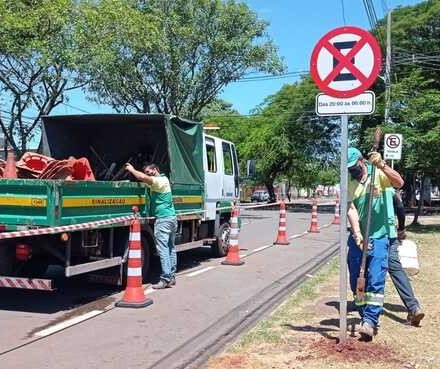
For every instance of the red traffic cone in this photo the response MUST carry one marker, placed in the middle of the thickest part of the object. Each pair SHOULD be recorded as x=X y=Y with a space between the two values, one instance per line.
x=134 y=295
x=314 y=224
x=336 y=219
x=233 y=256
x=281 y=237
x=10 y=171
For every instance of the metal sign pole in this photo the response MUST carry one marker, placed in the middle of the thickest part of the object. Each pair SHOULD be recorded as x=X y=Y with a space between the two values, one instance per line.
x=392 y=163
x=343 y=232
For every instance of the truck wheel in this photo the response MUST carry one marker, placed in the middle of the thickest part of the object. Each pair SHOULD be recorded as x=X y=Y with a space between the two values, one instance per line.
x=220 y=247
x=146 y=257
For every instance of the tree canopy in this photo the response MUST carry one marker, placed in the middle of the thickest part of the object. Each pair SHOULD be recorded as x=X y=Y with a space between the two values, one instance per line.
x=193 y=49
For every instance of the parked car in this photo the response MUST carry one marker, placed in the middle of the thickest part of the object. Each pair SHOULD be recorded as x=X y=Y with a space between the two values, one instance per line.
x=259 y=195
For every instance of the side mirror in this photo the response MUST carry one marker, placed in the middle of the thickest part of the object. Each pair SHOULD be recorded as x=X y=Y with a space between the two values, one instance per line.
x=251 y=169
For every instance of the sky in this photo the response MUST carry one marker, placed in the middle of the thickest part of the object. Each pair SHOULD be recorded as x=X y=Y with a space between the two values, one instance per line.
x=295 y=27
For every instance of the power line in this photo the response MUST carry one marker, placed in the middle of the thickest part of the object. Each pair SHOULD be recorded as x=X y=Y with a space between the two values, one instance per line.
x=272 y=76
x=385 y=8
x=74 y=107
x=343 y=12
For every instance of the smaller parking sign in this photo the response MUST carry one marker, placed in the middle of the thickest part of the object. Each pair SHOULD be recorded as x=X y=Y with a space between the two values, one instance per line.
x=393 y=146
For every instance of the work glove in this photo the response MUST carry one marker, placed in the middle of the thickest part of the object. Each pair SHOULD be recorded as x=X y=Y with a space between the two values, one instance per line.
x=401 y=234
x=376 y=159
x=359 y=239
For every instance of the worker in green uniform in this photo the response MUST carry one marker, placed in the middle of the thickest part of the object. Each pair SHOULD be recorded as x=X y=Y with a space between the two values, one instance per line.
x=162 y=208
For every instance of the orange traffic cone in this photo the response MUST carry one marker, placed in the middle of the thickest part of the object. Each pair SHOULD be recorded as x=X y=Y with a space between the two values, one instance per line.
x=134 y=295
x=281 y=237
x=10 y=171
x=233 y=256
x=314 y=224
x=336 y=219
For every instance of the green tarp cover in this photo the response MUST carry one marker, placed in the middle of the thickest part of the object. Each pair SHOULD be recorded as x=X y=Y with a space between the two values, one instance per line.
x=177 y=143
x=185 y=145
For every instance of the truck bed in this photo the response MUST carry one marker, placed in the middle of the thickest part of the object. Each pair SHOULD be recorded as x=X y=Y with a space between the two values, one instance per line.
x=49 y=203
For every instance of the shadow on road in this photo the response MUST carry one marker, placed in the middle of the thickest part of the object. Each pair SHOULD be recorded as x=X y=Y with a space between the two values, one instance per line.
x=72 y=293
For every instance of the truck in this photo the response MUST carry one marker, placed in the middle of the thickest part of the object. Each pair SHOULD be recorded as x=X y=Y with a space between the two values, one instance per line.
x=83 y=226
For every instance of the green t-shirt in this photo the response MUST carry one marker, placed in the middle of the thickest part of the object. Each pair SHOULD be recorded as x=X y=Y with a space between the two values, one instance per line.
x=161 y=198
x=382 y=212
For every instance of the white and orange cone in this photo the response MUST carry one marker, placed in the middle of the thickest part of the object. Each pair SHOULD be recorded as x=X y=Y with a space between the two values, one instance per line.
x=134 y=295
x=281 y=237
x=336 y=219
x=233 y=256
x=314 y=224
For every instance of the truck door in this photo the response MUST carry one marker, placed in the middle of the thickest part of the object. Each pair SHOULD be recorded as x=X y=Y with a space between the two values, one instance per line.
x=229 y=187
x=236 y=172
x=213 y=177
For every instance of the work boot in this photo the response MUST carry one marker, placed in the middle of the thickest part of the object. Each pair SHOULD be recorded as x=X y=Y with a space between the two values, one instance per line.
x=366 y=331
x=161 y=285
x=173 y=281
x=414 y=317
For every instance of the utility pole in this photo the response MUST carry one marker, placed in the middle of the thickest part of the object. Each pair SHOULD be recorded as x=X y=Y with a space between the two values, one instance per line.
x=388 y=70
x=388 y=75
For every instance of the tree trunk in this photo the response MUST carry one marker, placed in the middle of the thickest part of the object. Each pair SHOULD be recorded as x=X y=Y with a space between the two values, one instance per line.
x=420 y=205
x=270 y=190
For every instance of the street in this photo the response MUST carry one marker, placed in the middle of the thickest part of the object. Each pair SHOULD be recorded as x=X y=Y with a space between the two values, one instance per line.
x=78 y=326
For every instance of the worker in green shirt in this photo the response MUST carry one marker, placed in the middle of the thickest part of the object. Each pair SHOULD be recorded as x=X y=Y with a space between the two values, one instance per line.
x=162 y=208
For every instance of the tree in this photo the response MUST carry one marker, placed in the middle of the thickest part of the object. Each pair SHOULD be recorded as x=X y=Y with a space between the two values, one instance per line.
x=36 y=64
x=199 y=47
x=418 y=119
x=284 y=135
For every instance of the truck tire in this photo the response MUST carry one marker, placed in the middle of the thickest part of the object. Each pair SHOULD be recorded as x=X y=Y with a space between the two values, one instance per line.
x=220 y=247
x=146 y=260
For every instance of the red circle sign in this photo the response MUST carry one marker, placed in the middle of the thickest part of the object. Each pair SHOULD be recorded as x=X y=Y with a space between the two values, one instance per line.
x=345 y=62
x=393 y=141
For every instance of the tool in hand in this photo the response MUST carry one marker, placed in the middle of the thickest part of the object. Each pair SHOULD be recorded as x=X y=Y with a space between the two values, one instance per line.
x=360 y=283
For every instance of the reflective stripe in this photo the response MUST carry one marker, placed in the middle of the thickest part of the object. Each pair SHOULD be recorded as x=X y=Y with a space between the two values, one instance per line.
x=134 y=272
x=233 y=242
x=282 y=228
x=282 y=212
x=234 y=231
x=370 y=298
x=234 y=220
x=135 y=236
x=135 y=254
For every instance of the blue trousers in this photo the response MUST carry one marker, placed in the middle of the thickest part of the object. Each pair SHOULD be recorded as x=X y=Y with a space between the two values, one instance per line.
x=377 y=265
x=400 y=278
x=165 y=234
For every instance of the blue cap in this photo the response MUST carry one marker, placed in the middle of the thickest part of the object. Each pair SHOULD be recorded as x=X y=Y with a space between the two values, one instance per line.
x=353 y=156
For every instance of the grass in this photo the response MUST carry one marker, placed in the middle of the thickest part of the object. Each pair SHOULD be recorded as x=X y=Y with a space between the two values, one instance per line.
x=302 y=332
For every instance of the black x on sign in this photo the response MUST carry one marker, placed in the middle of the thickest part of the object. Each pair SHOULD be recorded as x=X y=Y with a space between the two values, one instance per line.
x=345 y=62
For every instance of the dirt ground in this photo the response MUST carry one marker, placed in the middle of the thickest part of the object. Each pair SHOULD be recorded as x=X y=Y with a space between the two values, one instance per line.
x=303 y=332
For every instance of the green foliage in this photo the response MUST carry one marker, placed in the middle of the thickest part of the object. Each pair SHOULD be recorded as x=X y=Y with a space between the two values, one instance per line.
x=185 y=53
x=37 y=63
x=415 y=88
x=284 y=136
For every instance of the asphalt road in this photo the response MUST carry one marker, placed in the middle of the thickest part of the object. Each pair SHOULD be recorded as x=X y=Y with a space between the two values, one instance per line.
x=39 y=330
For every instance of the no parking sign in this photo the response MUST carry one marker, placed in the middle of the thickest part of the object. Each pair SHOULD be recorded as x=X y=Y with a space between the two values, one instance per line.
x=392 y=146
